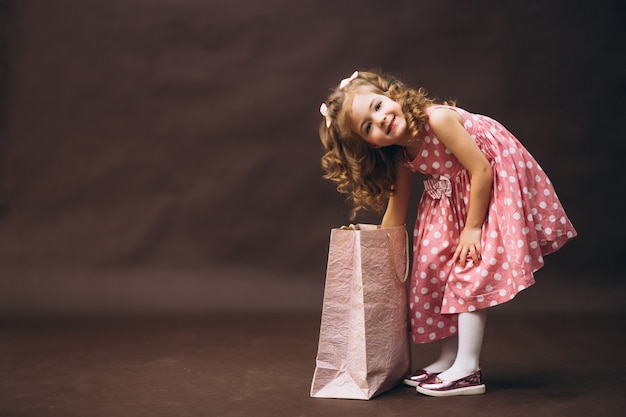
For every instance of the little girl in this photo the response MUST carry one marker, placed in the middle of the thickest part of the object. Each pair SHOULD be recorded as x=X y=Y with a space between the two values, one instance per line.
x=486 y=218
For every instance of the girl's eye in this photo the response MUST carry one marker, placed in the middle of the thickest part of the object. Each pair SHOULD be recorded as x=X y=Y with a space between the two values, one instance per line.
x=377 y=106
x=368 y=127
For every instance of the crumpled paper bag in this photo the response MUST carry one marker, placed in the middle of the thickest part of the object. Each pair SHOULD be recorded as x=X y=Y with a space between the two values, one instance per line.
x=363 y=345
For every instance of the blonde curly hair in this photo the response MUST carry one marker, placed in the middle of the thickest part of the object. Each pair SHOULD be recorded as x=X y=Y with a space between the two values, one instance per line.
x=366 y=174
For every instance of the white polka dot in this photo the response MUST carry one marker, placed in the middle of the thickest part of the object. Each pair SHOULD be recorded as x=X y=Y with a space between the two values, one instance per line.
x=471 y=308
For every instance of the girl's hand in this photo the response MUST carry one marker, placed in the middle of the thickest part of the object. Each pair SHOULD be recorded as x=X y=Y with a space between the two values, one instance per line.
x=469 y=245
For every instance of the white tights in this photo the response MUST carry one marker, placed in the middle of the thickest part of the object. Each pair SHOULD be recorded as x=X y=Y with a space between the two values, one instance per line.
x=460 y=355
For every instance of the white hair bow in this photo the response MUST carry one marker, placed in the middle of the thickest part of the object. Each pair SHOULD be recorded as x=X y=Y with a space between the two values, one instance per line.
x=342 y=84
x=346 y=81
x=324 y=111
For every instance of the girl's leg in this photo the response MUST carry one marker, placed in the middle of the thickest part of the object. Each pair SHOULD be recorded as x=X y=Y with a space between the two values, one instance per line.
x=471 y=331
x=447 y=355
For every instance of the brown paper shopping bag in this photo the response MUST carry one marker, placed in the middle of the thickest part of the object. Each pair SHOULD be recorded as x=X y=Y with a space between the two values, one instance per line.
x=363 y=343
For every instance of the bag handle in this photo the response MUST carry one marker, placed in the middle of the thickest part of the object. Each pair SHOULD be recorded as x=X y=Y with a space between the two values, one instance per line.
x=393 y=258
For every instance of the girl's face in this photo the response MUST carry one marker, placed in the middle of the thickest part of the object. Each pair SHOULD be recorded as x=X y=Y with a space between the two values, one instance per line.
x=379 y=120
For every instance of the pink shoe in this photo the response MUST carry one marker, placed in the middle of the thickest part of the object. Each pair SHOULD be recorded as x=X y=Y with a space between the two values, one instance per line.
x=470 y=385
x=421 y=375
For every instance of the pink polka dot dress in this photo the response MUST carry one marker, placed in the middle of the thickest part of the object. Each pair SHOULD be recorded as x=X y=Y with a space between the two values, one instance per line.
x=525 y=221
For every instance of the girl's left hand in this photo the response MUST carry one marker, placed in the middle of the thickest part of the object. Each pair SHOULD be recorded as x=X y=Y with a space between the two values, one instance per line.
x=469 y=245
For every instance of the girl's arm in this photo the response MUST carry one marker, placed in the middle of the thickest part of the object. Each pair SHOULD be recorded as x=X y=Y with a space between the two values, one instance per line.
x=448 y=127
x=398 y=204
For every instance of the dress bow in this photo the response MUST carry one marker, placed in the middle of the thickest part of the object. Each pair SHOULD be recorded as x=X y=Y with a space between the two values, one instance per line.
x=438 y=187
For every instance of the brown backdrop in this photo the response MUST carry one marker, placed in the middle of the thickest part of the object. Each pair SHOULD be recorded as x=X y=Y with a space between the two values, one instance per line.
x=162 y=155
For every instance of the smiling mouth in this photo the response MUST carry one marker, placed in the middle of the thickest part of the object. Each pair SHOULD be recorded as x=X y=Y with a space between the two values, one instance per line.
x=391 y=125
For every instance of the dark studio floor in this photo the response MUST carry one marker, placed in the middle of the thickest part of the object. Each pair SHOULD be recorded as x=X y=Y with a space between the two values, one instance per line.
x=261 y=365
